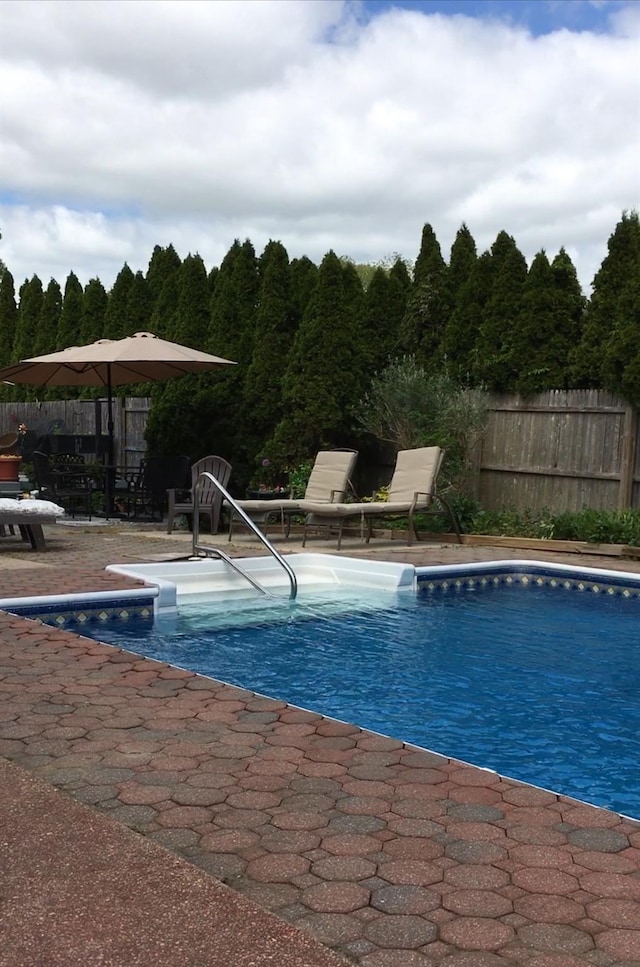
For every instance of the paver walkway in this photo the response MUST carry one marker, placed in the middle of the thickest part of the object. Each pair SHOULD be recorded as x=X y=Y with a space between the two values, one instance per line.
x=392 y=856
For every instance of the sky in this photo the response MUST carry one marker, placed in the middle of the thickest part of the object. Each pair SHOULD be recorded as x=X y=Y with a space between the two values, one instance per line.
x=338 y=125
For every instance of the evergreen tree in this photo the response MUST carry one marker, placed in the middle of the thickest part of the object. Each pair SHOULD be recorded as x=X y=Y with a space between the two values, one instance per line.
x=163 y=262
x=607 y=354
x=495 y=353
x=46 y=341
x=94 y=307
x=462 y=260
x=542 y=340
x=139 y=305
x=212 y=279
x=234 y=305
x=274 y=335
x=165 y=308
x=428 y=303
x=326 y=374
x=8 y=317
x=384 y=308
x=29 y=309
x=208 y=410
x=570 y=305
x=303 y=275
x=460 y=340
x=116 y=318
x=30 y=302
x=70 y=325
x=190 y=321
x=455 y=346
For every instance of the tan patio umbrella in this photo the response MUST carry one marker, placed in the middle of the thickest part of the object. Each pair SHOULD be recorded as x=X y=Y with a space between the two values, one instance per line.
x=140 y=358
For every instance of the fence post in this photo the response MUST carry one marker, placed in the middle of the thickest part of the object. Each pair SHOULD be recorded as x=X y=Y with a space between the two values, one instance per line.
x=628 y=457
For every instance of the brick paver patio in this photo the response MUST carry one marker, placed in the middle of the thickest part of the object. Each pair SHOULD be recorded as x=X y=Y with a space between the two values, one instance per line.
x=389 y=855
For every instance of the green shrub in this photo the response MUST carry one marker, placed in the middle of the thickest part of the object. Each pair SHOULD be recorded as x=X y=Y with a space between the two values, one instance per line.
x=409 y=407
x=298 y=480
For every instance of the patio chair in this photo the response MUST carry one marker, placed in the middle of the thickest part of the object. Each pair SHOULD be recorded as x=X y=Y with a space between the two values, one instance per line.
x=210 y=498
x=329 y=481
x=65 y=480
x=157 y=475
x=412 y=490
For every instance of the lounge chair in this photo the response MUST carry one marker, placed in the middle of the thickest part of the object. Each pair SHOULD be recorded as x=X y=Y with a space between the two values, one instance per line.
x=210 y=498
x=412 y=490
x=329 y=482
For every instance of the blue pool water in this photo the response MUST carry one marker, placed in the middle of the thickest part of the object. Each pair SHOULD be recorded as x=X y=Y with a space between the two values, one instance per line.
x=540 y=684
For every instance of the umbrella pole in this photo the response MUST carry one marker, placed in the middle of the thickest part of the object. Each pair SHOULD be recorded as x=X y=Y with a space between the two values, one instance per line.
x=111 y=464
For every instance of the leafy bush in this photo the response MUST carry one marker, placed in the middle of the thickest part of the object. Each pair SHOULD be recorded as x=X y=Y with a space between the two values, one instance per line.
x=408 y=407
x=298 y=480
x=589 y=526
x=599 y=527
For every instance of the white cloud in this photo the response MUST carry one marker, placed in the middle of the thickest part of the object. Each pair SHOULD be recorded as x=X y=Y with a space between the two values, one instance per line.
x=131 y=124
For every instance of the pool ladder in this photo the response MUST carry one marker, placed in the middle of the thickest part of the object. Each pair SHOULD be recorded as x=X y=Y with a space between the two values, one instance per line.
x=208 y=550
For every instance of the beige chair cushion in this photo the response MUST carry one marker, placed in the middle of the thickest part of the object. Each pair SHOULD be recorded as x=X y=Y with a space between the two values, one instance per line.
x=330 y=475
x=416 y=471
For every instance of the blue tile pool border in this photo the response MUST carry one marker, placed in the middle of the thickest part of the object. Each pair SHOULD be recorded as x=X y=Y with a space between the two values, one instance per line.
x=450 y=579
x=73 y=611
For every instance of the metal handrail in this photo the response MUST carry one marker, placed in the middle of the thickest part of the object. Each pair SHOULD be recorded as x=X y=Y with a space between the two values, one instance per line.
x=208 y=549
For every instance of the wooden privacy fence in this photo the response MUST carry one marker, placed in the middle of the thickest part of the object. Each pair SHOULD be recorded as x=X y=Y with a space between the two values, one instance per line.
x=85 y=418
x=561 y=450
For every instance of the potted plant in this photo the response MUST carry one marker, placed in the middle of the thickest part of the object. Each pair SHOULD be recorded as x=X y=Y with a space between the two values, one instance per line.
x=266 y=483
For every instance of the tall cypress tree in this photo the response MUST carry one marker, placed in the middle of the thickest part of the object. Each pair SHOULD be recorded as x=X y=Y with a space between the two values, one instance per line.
x=211 y=405
x=31 y=298
x=70 y=325
x=234 y=305
x=190 y=323
x=163 y=262
x=94 y=307
x=46 y=341
x=462 y=260
x=30 y=307
x=428 y=303
x=327 y=372
x=162 y=280
x=139 y=305
x=541 y=343
x=303 y=275
x=69 y=330
x=163 y=316
x=8 y=317
x=606 y=354
x=495 y=353
x=275 y=330
x=116 y=318
x=569 y=309
x=384 y=308
x=460 y=341
x=459 y=335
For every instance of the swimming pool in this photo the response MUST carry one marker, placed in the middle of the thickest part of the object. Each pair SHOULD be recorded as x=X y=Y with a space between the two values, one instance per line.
x=533 y=673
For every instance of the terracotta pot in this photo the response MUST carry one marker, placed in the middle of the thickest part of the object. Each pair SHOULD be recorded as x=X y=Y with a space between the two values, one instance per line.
x=9 y=468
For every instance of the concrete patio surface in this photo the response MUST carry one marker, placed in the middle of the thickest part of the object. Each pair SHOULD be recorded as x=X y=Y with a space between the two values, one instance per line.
x=153 y=816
